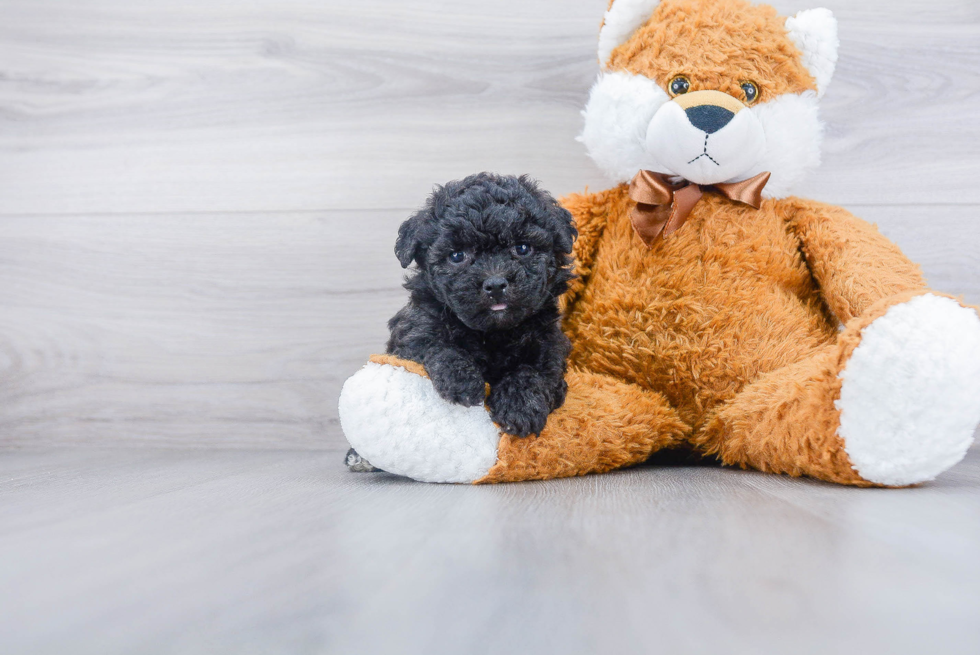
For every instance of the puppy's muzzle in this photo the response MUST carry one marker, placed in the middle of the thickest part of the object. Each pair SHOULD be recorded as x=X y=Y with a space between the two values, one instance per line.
x=495 y=287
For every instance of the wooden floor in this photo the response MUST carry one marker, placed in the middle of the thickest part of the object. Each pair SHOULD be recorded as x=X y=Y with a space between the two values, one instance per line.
x=233 y=551
x=198 y=202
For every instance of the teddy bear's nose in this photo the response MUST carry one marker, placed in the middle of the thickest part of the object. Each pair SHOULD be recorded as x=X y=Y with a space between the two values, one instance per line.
x=709 y=118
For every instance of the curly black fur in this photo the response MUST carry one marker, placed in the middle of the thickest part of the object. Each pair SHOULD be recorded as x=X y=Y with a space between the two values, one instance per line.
x=492 y=255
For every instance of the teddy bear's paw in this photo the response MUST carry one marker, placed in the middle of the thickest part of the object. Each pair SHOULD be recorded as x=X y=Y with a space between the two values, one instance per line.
x=397 y=421
x=910 y=399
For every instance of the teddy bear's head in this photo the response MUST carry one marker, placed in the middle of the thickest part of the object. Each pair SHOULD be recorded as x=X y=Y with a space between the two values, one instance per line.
x=711 y=91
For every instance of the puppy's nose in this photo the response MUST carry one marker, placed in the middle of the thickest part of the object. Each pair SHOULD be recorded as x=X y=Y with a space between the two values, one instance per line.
x=709 y=118
x=495 y=286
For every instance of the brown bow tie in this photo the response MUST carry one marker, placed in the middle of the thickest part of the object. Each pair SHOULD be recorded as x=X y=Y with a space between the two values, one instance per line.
x=662 y=206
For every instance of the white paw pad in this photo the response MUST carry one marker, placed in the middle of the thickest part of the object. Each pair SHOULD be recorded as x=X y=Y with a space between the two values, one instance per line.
x=397 y=421
x=910 y=400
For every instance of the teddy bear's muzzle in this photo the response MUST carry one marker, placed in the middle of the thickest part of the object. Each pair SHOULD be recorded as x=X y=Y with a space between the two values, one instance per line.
x=706 y=137
x=709 y=111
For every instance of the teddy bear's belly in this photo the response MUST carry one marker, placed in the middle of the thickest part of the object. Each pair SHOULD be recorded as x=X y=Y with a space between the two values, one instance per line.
x=697 y=329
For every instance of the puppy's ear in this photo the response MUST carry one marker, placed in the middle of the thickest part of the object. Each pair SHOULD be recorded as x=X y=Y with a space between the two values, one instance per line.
x=408 y=246
x=559 y=219
x=420 y=231
x=564 y=228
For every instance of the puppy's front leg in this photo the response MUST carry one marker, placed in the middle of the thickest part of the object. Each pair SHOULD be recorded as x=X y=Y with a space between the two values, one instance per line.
x=554 y=364
x=419 y=333
x=519 y=403
x=456 y=377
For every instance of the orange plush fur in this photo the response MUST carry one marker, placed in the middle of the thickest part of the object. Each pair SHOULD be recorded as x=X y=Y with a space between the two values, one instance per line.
x=717 y=46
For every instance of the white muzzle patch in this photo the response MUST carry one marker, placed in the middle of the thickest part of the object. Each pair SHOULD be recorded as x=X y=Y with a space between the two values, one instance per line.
x=706 y=144
x=631 y=124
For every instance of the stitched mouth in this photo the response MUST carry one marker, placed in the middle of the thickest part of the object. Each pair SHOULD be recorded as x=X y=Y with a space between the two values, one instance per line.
x=705 y=153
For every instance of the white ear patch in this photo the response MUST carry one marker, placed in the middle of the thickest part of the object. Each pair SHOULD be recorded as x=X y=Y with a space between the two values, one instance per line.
x=815 y=33
x=622 y=19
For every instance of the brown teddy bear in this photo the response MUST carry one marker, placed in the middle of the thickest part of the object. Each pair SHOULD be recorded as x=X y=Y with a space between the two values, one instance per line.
x=713 y=312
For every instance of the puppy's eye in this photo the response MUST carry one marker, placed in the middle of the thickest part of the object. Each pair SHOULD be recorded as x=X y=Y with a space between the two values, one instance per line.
x=458 y=257
x=523 y=250
x=751 y=91
x=679 y=85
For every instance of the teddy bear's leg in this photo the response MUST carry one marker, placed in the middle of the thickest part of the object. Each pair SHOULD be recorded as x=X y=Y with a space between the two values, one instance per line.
x=604 y=424
x=393 y=417
x=894 y=403
x=785 y=422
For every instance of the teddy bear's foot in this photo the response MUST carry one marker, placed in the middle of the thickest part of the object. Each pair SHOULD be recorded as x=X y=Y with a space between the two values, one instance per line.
x=894 y=402
x=910 y=397
x=393 y=417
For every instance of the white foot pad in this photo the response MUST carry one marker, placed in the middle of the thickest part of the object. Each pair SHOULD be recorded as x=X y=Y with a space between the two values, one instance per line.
x=910 y=401
x=397 y=421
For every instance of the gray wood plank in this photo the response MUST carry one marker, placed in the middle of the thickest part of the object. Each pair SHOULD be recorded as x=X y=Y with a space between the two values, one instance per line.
x=120 y=106
x=214 y=330
x=238 y=330
x=149 y=551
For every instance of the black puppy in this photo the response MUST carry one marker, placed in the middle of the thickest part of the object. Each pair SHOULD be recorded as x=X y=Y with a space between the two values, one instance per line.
x=492 y=255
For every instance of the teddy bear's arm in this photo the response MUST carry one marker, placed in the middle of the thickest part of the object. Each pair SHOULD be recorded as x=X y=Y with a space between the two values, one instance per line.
x=854 y=264
x=589 y=210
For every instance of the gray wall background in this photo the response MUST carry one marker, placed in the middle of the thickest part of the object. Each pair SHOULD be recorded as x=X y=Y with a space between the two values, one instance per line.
x=198 y=200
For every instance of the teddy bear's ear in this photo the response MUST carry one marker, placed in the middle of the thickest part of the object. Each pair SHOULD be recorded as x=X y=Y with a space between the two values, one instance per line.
x=815 y=33
x=623 y=18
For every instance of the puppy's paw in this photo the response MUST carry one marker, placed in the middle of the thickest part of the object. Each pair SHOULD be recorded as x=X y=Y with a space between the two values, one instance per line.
x=518 y=406
x=458 y=381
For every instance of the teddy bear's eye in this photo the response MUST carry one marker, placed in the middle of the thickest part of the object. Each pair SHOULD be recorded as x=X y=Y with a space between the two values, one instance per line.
x=522 y=250
x=679 y=85
x=458 y=257
x=751 y=91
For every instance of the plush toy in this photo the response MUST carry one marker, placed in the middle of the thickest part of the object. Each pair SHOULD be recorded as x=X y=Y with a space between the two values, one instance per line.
x=713 y=312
